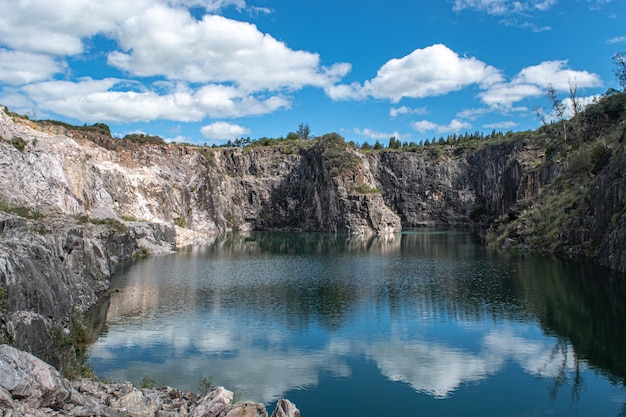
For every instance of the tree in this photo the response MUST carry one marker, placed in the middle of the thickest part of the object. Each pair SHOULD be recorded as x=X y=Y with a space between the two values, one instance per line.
x=620 y=72
x=304 y=131
x=394 y=143
x=558 y=107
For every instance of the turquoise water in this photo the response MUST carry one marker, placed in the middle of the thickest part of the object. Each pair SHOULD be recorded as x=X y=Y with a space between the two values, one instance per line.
x=426 y=323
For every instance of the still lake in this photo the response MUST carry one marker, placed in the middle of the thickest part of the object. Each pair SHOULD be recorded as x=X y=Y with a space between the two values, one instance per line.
x=423 y=323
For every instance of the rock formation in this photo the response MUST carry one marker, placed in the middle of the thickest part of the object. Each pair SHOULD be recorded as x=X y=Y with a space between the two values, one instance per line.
x=74 y=201
x=30 y=387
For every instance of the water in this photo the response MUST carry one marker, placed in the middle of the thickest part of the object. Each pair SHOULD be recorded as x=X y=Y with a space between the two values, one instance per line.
x=427 y=323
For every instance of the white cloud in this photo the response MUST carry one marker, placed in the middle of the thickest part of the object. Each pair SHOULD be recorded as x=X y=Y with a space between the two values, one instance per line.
x=432 y=71
x=514 y=22
x=505 y=95
x=172 y=43
x=616 y=39
x=219 y=67
x=373 y=134
x=58 y=27
x=504 y=7
x=24 y=67
x=397 y=111
x=533 y=81
x=427 y=126
x=223 y=130
x=101 y=100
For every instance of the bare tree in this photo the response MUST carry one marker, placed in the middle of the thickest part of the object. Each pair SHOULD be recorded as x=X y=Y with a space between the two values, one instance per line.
x=577 y=107
x=558 y=107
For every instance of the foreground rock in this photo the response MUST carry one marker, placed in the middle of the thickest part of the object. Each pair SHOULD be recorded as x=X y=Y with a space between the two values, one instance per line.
x=30 y=387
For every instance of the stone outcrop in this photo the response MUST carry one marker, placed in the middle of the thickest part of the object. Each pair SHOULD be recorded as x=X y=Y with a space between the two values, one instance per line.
x=53 y=269
x=206 y=191
x=30 y=387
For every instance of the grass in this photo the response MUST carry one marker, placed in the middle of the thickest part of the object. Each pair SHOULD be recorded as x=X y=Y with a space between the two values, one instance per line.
x=148 y=382
x=115 y=224
x=24 y=212
x=365 y=189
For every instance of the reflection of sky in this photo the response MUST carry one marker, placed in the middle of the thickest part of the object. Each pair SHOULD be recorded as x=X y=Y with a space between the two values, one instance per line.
x=264 y=362
x=266 y=324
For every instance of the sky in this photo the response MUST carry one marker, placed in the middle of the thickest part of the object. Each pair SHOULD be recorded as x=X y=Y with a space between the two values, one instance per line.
x=205 y=71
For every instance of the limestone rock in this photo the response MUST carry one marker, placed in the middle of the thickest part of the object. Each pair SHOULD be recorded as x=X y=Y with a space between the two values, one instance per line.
x=285 y=408
x=30 y=379
x=245 y=409
x=134 y=404
x=213 y=403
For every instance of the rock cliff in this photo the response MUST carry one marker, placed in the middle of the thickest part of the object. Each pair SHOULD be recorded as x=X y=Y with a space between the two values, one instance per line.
x=74 y=201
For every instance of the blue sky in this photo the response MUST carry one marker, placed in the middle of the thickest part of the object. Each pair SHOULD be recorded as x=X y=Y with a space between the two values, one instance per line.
x=204 y=71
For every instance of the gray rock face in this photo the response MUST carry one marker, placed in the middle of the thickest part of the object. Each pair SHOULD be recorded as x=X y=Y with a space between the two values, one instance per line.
x=28 y=379
x=208 y=191
x=285 y=408
x=53 y=268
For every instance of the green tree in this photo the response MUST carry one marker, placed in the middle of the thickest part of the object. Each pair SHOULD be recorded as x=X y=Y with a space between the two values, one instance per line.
x=304 y=131
x=394 y=143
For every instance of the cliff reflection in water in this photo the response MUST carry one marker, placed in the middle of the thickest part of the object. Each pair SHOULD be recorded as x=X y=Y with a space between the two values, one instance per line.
x=267 y=314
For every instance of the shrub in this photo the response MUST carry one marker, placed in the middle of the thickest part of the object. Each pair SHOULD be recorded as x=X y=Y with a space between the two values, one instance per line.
x=365 y=189
x=180 y=222
x=333 y=149
x=143 y=139
x=3 y=298
x=18 y=143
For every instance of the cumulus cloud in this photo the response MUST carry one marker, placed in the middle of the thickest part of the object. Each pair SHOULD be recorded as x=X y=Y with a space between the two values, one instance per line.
x=223 y=130
x=533 y=82
x=402 y=110
x=101 y=100
x=431 y=71
x=220 y=67
x=373 y=134
x=455 y=125
x=58 y=28
x=25 y=67
x=172 y=43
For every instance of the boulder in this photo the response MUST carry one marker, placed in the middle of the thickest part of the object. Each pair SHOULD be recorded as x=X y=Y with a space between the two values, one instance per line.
x=31 y=380
x=213 y=403
x=285 y=408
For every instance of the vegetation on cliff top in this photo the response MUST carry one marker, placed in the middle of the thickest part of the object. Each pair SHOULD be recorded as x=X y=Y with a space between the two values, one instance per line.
x=582 y=146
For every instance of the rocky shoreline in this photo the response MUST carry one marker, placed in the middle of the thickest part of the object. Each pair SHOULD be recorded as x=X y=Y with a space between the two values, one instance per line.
x=31 y=387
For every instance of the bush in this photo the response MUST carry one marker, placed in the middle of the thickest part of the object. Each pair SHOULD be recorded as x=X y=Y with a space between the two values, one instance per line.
x=333 y=149
x=18 y=143
x=3 y=298
x=365 y=189
x=143 y=139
